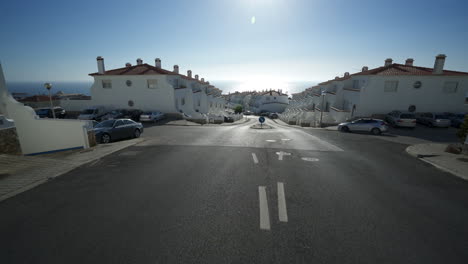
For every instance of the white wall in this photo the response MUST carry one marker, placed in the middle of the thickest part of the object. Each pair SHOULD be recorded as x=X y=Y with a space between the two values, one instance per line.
x=75 y=105
x=161 y=99
x=41 y=135
x=184 y=100
x=429 y=98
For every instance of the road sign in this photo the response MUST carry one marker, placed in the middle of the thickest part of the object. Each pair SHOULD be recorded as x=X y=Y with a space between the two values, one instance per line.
x=261 y=119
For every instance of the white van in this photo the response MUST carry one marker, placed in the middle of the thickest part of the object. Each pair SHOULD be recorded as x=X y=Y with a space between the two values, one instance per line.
x=93 y=113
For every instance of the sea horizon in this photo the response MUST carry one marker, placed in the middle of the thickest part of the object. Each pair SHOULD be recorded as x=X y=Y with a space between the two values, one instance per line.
x=83 y=87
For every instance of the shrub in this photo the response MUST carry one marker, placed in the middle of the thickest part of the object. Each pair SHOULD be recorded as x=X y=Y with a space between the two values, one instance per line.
x=238 y=109
x=463 y=131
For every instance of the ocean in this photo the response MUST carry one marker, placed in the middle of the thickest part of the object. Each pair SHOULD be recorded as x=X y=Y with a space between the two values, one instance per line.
x=37 y=88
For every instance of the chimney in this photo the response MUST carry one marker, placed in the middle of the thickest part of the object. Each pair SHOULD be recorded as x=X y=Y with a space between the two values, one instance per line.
x=139 y=61
x=196 y=76
x=202 y=79
x=346 y=74
x=388 y=62
x=189 y=73
x=439 y=64
x=409 y=62
x=128 y=64
x=157 y=63
x=176 y=69
x=336 y=77
x=365 y=68
x=100 y=65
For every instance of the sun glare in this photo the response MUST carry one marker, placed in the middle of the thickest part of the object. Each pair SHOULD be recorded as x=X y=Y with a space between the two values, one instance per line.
x=252 y=20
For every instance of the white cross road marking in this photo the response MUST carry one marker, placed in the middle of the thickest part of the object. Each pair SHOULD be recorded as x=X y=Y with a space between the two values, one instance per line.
x=263 y=204
x=254 y=158
x=283 y=213
x=281 y=154
x=309 y=159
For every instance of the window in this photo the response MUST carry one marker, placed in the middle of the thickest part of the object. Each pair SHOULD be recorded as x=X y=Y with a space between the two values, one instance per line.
x=129 y=83
x=274 y=97
x=106 y=84
x=183 y=101
x=417 y=84
x=152 y=84
x=391 y=86
x=175 y=82
x=199 y=102
x=355 y=84
x=119 y=123
x=128 y=122
x=450 y=87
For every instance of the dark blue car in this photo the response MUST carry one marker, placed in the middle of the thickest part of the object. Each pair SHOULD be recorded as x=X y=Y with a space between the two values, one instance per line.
x=111 y=130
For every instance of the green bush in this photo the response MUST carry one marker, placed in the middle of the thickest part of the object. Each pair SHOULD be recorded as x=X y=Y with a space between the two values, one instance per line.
x=463 y=131
x=238 y=109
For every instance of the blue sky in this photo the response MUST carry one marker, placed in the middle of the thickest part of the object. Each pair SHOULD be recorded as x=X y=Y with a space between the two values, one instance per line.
x=294 y=40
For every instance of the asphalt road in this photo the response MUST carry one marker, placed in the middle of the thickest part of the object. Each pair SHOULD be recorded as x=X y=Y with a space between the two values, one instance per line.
x=239 y=195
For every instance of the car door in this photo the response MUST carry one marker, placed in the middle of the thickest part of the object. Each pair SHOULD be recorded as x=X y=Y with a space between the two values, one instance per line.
x=119 y=130
x=357 y=125
x=129 y=128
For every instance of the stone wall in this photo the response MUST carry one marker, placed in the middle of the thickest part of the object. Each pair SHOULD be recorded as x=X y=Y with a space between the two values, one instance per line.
x=9 y=143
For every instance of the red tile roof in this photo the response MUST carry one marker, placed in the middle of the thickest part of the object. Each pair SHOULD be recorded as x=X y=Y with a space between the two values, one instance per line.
x=401 y=69
x=143 y=69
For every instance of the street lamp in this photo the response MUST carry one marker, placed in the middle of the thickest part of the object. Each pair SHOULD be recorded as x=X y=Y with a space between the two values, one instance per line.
x=48 y=86
x=321 y=107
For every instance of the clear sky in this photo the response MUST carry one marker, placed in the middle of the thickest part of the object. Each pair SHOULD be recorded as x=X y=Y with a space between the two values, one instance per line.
x=243 y=40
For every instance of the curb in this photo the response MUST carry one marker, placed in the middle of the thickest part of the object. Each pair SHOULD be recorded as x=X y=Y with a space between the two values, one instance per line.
x=72 y=167
x=442 y=168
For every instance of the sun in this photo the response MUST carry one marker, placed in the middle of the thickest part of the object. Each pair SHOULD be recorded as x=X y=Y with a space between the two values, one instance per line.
x=252 y=20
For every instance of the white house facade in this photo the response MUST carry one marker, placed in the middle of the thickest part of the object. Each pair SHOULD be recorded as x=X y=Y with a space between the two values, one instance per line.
x=258 y=102
x=393 y=86
x=151 y=88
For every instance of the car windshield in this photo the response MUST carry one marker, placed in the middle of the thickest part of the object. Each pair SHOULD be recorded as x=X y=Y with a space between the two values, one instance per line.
x=108 y=123
x=407 y=116
x=88 y=112
x=441 y=116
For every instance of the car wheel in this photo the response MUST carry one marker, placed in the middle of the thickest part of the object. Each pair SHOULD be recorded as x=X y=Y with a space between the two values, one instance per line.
x=137 y=133
x=376 y=131
x=105 y=138
x=345 y=129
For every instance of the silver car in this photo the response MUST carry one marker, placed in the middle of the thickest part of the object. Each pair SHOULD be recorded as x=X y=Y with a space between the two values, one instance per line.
x=433 y=119
x=374 y=126
x=401 y=119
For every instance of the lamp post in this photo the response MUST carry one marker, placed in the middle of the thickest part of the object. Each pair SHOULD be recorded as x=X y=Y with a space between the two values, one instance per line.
x=48 y=86
x=321 y=108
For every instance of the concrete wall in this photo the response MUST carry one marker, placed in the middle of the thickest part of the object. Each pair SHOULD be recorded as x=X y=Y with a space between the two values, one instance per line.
x=161 y=99
x=41 y=135
x=9 y=142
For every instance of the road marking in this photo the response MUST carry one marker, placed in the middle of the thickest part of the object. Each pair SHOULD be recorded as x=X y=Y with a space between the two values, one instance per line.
x=309 y=159
x=281 y=154
x=285 y=139
x=283 y=213
x=254 y=158
x=270 y=140
x=264 y=214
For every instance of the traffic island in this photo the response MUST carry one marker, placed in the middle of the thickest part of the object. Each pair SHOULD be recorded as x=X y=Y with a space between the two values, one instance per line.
x=258 y=126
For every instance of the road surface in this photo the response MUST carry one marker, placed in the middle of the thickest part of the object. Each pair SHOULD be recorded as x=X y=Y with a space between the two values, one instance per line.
x=234 y=194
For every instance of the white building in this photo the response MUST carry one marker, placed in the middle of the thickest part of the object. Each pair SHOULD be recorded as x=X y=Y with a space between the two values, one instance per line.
x=258 y=102
x=393 y=86
x=147 y=87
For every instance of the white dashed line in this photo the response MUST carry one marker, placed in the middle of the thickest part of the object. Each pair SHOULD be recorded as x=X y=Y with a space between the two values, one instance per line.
x=263 y=203
x=254 y=158
x=283 y=213
x=281 y=154
x=270 y=140
x=309 y=159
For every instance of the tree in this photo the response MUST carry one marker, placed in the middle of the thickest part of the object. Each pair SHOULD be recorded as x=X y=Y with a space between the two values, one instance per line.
x=238 y=109
x=463 y=131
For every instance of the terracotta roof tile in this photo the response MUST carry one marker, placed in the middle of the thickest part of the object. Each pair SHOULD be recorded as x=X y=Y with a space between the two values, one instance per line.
x=143 y=69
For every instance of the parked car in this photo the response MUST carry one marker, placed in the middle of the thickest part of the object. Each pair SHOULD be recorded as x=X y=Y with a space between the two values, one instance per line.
x=433 y=119
x=401 y=119
x=273 y=116
x=247 y=113
x=228 y=119
x=93 y=113
x=151 y=116
x=374 y=126
x=456 y=119
x=46 y=112
x=111 y=130
x=265 y=114
x=115 y=114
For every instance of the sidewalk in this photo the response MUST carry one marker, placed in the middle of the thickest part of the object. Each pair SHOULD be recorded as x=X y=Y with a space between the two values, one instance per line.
x=21 y=173
x=434 y=154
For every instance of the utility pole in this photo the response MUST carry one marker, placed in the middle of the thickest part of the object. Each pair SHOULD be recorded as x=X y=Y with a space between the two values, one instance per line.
x=321 y=108
x=48 y=86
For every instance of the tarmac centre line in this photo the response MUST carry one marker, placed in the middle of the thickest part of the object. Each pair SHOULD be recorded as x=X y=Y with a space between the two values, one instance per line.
x=254 y=157
x=263 y=204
